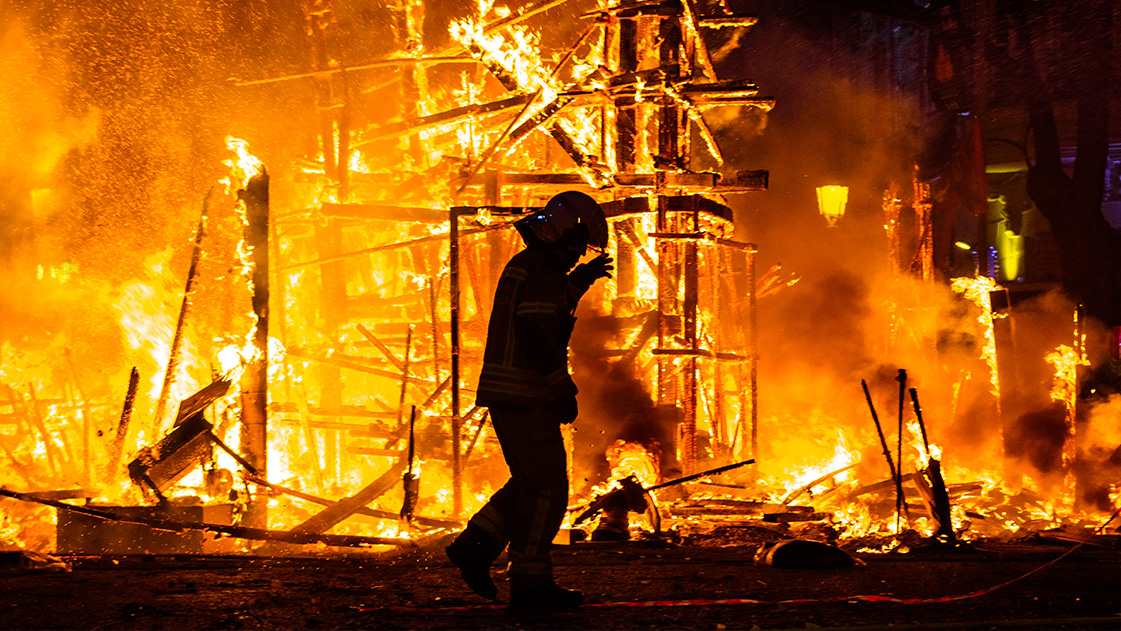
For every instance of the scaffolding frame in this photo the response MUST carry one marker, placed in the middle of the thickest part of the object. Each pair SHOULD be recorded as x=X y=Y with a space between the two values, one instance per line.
x=655 y=81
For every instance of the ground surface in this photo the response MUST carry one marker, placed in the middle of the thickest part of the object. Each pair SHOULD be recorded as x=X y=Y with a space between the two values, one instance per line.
x=419 y=589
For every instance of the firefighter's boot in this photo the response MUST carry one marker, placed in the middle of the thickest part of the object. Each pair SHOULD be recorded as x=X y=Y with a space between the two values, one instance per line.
x=535 y=596
x=472 y=552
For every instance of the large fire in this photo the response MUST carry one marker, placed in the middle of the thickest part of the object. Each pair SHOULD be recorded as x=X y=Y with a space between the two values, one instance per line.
x=384 y=248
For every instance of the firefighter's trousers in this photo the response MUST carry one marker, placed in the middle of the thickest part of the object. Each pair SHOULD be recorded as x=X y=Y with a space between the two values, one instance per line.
x=528 y=510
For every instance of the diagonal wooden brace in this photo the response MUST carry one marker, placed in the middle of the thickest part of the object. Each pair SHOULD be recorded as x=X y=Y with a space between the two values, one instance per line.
x=337 y=512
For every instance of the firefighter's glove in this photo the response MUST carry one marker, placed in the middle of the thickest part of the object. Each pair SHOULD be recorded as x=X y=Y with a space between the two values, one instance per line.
x=567 y=409
x=595 y=269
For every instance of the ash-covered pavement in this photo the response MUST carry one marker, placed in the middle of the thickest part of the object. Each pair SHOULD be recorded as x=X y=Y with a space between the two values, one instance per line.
x=635 y=585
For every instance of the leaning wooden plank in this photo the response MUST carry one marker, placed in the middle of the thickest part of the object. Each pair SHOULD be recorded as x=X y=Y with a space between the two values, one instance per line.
x=170 y=372
x=369 y=512
x=378 y=344
x=354 y=363
x=385 y=213
x=117 y=442
x=239 y=532
x=332 y=515
x=200 y=400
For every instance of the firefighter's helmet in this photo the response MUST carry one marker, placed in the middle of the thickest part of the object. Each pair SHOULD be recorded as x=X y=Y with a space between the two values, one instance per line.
x=571 y=210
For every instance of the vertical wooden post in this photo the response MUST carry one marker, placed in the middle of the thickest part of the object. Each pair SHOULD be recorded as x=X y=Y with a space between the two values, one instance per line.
x=254 y=383
x=626 y=129
x=625 y=272
x=334 y=306
x=924 y=221
x=408 y=16
x=753 y=353
x=689 y=383
x=891 y=207
x=453 y=274
x=320 y=15
x=1073 y=447
x=343 y=168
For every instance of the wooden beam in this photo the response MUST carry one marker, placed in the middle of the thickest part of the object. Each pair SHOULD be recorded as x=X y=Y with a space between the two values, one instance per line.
x=368 y=512
x=378 y=344
x=448 y=117
x=337 y=512
x=385 y=212
x=232 y=531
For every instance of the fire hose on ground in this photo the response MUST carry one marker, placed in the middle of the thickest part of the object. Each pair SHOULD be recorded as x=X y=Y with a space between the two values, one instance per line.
x=870 y=598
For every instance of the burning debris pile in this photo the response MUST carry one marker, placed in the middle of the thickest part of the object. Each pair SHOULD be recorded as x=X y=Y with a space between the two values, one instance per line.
x=346 y=295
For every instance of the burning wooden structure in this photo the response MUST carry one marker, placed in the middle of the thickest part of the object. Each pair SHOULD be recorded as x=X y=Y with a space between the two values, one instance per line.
x=416 y=291
x=371 y=267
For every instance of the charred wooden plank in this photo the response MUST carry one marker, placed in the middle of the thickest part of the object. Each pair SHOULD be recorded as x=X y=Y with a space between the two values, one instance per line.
x=381 y=212
x=783 y=518
x=232 y=531
x=382 y=348
x=447 y=117
x=200 y=400
x=362 y=510
x=337 y=512
x=118 y=440
x=174 y=456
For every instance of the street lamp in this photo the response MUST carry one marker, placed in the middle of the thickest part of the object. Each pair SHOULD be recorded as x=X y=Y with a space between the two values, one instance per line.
x=831 y=201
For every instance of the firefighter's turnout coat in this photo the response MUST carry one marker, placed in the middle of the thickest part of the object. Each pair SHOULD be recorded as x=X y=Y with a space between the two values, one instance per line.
x=526 y=357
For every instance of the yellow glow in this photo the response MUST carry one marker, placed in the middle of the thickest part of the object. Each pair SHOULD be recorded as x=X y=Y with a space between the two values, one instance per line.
x=1064 y=385
x=1011 y=248
x=831 y=202
x=978 y=290
x=243 y=167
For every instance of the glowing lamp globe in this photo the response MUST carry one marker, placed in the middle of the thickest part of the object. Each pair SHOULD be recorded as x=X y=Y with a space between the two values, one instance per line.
x=831 y=202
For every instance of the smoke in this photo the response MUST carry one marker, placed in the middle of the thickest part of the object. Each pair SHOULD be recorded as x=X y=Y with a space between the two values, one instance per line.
x=615 y=402
x=840 y=120
x=1037 y=439
x=112 y=125
x=39 y=131
x=113 y=117
x=1099 y=463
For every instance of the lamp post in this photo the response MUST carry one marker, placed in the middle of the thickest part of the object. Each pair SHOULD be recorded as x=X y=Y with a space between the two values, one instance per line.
x=831 y=200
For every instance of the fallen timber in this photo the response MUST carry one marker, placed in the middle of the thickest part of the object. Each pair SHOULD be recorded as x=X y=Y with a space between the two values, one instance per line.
x=338 y=511
x=431 y=522
x=116 y=444
x=810 y=485
x=174 y=355
x=896 y=474
x=239 y=532
x=634 y=495
x=935 y=494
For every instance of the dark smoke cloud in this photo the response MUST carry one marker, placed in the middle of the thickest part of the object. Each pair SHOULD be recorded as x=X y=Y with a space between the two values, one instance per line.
x=1037 y=437
x=615 y=403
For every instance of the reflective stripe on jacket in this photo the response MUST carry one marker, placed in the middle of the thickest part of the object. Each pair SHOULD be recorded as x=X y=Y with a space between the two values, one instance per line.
x=526 y=356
